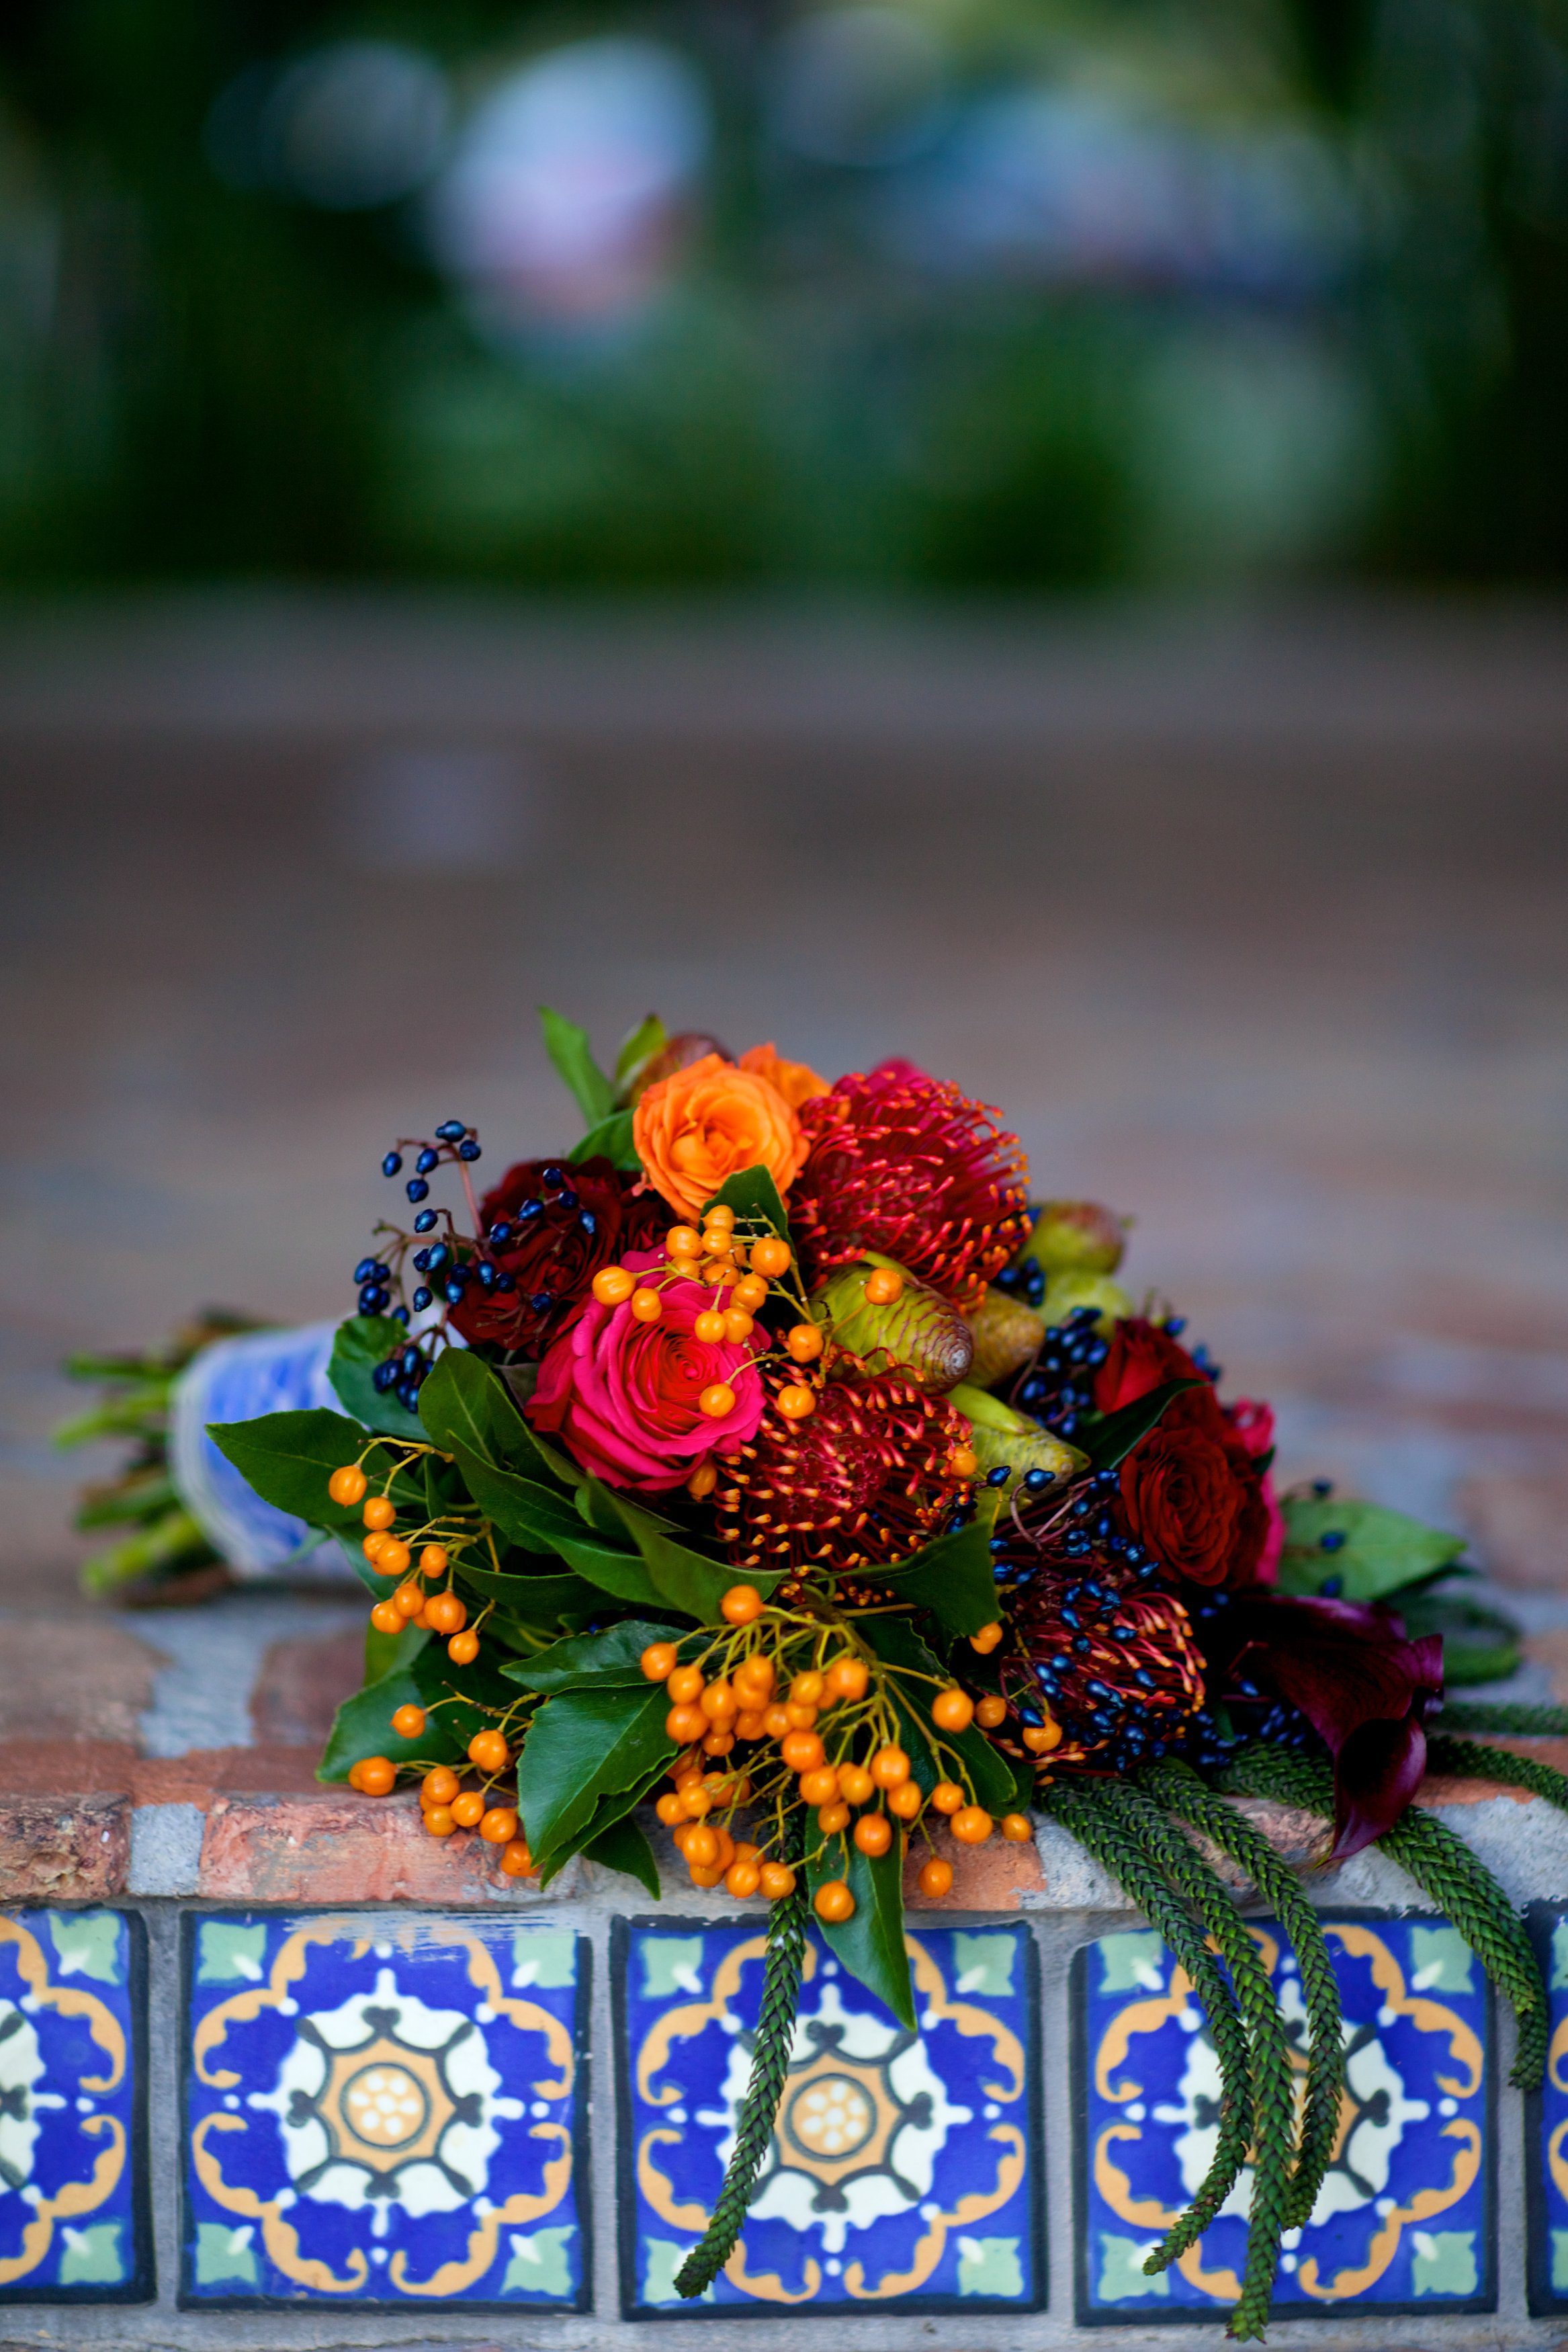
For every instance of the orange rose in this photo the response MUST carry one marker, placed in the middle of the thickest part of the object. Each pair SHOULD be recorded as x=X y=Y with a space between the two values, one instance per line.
x=796 y=1081
x=702 y=1124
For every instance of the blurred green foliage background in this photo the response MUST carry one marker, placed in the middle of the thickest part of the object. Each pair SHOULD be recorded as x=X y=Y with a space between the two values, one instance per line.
x=1016 y=293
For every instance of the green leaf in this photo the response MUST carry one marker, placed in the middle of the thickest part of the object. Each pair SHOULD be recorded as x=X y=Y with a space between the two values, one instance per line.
x=1381 y=1551
x=287 y=1458
x=362 y=1343
x=623 y=1846
x=384 y=1652
x=871 y=1943
x=899 y=1647
x=568 y=1049
x=752 y=1192
x=1109 y=1442
x=953 y=1577
x=534 y=1600
x=610 y=1139
x=684 y=1578
x=469 y=1697
x=585 y=1745
x=465 y=1404
x=648 y=1038
x=1479 y=1645
x=607 y=1661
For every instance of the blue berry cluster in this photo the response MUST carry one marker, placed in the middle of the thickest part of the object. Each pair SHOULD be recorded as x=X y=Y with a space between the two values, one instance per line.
x=1059 y=1388
x=1025 y=1281
x=403 y=1373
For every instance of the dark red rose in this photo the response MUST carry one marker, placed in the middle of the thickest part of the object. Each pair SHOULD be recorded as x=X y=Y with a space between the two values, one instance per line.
x=1142 y=1357
x=1366 y=1691
x=1191 y=1498
x=559 y=1237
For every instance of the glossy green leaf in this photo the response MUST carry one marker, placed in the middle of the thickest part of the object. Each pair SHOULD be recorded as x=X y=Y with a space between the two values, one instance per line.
x=287 y=1458
x=1109 y=1442
x=752 y=1192
x=458 y=1700
x=585 y=1745
x=465 y=1405
x=953 y=1576
x=609 y=1660
x=623 y=1846
x=569 y=1050
x=870 y=1945
x=384 y=1652
x=689 y=1581
x=648 y=1037
x=358 y=1345
x=1380 y=1551
x=611 y=1141
x=540 y=1599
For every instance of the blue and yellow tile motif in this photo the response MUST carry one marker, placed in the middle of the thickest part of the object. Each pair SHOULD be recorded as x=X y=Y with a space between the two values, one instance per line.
x=382 y=2113
x=73 y=2220
x=904 y=2171
x=1546 y=2143
x=1403 y=2221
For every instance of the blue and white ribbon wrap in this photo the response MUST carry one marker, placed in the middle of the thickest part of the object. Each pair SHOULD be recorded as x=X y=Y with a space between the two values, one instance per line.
x=235 y=1380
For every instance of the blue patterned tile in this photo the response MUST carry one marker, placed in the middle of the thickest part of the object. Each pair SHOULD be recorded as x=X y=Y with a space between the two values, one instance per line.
x=904 y=2171
x=1546 y=2130
x=1403 y=2221
x=73 y=2161
x=386 y=2114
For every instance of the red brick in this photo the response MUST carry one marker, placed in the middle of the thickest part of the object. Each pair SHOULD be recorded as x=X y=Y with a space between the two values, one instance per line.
x=988 y=1877
x=338 y=1848
x=64 y=1849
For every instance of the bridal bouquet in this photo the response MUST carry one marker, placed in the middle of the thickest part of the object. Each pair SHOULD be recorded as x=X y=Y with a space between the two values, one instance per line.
x=769 y=1462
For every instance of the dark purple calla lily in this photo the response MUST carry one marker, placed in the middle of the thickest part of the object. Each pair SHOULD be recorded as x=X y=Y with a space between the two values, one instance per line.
x=1365 y=1689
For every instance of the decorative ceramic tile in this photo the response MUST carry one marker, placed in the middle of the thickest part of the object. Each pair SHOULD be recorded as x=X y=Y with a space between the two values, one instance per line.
x=1546 y=2132
x=73 y=2162
x=904 y=2171
x=1403 y=2219
x=382 y=2112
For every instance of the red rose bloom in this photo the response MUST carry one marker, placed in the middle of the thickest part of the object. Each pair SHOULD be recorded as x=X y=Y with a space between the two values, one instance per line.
x=1143 y=1358
x=1192 y=1499
x=559 y=1237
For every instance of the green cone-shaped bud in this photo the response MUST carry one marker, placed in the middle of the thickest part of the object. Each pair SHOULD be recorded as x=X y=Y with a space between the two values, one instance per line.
x=1076 y=1235
x=1002 y=1438
x=1065 y=1291
x=1006 y=1334
x=919 y=1335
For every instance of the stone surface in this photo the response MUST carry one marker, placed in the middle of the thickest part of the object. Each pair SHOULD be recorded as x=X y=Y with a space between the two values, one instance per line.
x=388 y=2113
x=64 y=1849
x=1405 y=2220
x=904 y=2171
x=75 y=2204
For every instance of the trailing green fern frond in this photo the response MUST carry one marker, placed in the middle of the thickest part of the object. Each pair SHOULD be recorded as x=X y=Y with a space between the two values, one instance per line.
x=1442 y=1866
x=1176 y=1786
x=1467 y=1759
x=770 y=2064
x=1088 y=1815
x=1268 y=2050
x=1522 y=1722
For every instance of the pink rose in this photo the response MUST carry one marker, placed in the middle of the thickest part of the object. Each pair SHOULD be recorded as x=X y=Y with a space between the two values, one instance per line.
x=1254 y=1426
x=624 y=1394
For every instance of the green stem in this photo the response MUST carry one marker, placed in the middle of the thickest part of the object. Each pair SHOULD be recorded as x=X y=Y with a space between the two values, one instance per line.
x=1523 y=1722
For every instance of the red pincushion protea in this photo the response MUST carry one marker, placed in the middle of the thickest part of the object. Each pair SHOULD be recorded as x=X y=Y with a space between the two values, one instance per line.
x=1106 y=1660
x=909 y=1166
x=861 y=1483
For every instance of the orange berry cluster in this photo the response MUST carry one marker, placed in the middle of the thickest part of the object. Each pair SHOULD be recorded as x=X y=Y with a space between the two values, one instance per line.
x=446 y=1804
x=707 y=1717
x=442 y=1612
